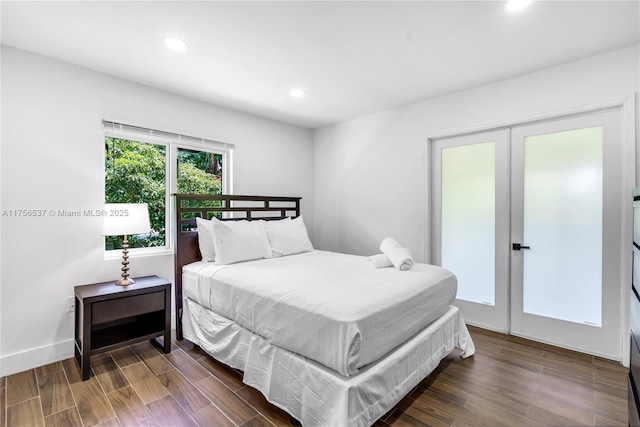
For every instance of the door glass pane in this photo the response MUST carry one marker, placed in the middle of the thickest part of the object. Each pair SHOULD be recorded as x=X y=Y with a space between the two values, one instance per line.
x=562 y=272
x=468 y=219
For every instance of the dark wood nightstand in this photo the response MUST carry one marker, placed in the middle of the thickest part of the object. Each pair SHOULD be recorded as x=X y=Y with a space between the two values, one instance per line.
x=109 y=316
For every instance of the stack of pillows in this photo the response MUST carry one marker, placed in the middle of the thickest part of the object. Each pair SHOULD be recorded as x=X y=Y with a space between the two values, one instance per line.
x=228 y=242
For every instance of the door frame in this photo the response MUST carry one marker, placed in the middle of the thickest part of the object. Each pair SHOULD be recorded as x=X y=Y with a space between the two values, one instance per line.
x=630 y=166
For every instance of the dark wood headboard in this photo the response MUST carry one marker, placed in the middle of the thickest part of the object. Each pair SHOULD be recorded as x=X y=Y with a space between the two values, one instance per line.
x=226 y=208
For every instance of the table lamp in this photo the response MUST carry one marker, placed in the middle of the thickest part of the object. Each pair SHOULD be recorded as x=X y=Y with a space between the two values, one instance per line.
x=125 y=219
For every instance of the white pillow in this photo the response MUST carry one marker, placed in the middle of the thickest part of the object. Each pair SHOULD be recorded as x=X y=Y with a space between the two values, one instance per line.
x=237 y=241
x=205 y=239
x=288 y=237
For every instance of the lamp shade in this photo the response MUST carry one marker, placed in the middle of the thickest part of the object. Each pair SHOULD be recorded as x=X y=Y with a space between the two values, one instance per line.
x=125 y=219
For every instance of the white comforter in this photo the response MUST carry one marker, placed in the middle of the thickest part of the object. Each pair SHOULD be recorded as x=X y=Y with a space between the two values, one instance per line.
x=329 y=307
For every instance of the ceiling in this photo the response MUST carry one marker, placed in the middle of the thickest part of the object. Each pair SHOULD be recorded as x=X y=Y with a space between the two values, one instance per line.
x=352 y=58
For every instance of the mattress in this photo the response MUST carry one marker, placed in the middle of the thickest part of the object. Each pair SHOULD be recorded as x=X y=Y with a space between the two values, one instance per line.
x=329 y=307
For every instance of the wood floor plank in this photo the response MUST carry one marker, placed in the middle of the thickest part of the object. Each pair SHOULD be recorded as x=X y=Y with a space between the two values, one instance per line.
x=441 y=408
x=495 y=394
x=107 y=373
x=600 y=421
x=187 y=395
x=563 y=391
x=158 y=364
x=519 y=400
x=228 y=376
x=152 y=357
x=516 y=364
x=130 y=410
x=486 y=333
x=402 y=419
x=552 y=350
x=170 y=413
x=93 y=405
x=72 y=370
x=492 y=376
x=494 y=414
x=145 y=350
x=124 y=357
x=543 y=417
x=113 y=422
x=146 y=385
x=233 y=406
x=55 y=394
x=443 y=387
x=25 y=413
x=21 y=386
x=187 y=365
x=560 y=410
x=48 y=369
x=581 y=381
x=563 y=363
x=425 y=415
x=210 y=415
x=67 y=418
x=567 y=367
x=271 y=412
x=257 y=421
x=195 y=352
x=610 y=378
x=611 y=408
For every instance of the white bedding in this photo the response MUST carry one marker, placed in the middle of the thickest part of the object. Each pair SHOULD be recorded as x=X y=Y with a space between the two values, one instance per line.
x=314 y=394
x=329 y=307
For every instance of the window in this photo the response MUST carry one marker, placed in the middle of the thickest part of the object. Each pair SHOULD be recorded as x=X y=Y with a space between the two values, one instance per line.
x=143 y=165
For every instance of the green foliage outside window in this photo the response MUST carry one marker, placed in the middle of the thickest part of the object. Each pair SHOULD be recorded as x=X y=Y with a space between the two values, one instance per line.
x=135 y=172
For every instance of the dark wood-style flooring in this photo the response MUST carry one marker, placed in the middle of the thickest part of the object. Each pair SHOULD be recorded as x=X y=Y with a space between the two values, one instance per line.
x=509 y=382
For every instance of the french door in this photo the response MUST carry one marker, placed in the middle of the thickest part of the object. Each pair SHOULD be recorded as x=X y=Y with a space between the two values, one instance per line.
x=471 y=193
x=529 y=220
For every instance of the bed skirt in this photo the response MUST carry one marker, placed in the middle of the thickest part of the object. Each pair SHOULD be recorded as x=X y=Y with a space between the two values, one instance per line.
x=314 y=394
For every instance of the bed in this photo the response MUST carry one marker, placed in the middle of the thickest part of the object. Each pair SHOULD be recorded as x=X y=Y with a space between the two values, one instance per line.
x=297 y=325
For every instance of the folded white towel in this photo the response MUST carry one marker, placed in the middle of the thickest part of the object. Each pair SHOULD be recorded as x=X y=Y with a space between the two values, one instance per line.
x=380 y=261
x=400 y=257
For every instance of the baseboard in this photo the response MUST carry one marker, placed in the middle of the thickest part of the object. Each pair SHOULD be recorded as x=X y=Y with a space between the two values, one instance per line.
x=29 y=359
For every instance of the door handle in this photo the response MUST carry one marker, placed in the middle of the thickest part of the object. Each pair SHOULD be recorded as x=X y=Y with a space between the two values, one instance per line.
x=518 y=246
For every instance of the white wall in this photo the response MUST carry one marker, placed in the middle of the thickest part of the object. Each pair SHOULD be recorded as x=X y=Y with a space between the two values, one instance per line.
x=52 y=158
x=369 y=173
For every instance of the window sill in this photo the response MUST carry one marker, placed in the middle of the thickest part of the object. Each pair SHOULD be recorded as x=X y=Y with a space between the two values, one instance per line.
x=138 y=253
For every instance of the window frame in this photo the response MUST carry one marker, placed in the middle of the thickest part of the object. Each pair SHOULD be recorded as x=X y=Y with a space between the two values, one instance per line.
x=172 y=143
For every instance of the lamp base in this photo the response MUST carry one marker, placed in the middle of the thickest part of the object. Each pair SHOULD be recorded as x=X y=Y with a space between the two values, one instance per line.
x=125 y=282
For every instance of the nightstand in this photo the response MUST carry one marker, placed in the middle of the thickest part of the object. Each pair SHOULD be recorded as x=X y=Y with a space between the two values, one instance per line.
x=109 y=316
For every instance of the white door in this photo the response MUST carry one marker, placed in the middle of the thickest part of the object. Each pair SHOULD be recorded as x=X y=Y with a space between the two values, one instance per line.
x=554 y=187
x=566 y=212
x=471 y=193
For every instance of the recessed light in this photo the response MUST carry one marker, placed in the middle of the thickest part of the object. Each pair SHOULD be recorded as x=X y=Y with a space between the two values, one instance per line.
x=514 y=5
x=298 y=93
x=175 y=44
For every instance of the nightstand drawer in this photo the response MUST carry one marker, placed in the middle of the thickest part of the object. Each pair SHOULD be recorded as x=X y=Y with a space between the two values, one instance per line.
x=120 y=308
